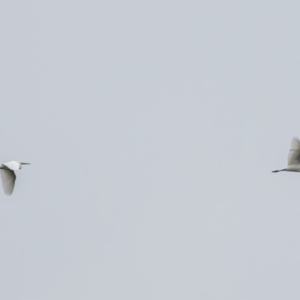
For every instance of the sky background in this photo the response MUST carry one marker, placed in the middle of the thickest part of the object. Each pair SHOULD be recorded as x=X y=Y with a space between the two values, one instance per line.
x=152 y=128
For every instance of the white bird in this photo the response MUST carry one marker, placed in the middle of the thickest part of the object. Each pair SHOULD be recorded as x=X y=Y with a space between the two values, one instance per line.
x=293 y=158
x=8 y=175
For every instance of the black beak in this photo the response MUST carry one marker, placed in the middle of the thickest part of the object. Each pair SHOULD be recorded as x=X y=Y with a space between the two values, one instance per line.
x=25 y=163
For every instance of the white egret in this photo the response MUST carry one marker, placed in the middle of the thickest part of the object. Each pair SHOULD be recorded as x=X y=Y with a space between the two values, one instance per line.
x=293 y=158
x=8 y=175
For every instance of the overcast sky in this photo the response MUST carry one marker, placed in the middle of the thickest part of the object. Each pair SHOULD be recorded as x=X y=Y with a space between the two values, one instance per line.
x=152 y=128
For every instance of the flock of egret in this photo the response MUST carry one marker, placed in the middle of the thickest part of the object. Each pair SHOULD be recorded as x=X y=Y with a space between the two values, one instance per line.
x=8 y=169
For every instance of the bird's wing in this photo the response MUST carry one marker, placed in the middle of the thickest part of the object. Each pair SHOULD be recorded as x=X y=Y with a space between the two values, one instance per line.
x=294 y=153
x=8 y=180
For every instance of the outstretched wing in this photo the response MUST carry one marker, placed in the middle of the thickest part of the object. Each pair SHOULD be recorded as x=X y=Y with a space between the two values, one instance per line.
x=8 y=180
x=294 y=153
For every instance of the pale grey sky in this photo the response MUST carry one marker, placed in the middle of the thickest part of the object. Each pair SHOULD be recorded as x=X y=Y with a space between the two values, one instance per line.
x=152 y=128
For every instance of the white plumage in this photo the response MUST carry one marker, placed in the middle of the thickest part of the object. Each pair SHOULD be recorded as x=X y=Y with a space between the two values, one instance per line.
x=8 y=175
x=293 y=157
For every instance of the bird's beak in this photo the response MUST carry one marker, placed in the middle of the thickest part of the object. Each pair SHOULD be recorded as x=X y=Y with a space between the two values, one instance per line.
x=25 y=163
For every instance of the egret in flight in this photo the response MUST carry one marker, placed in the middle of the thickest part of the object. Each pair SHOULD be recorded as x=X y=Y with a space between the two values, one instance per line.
x=293 y=158
x=8 y=175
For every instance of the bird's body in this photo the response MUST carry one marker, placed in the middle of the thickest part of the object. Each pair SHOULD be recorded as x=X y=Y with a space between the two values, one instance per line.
x=293 y=157
x=8 y=175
